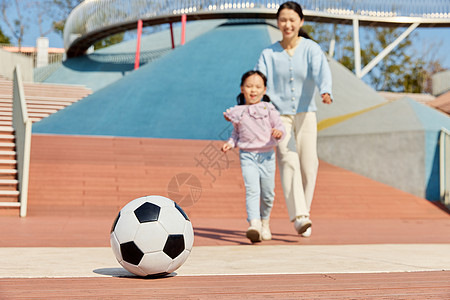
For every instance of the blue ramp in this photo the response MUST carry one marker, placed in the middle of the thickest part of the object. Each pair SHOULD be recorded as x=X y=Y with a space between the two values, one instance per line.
x=182 y=95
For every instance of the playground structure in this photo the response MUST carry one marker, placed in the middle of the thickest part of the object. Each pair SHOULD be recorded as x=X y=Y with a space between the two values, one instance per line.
x=96 y=19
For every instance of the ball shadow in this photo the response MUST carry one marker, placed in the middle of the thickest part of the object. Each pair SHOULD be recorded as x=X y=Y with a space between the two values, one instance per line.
x=122 y=273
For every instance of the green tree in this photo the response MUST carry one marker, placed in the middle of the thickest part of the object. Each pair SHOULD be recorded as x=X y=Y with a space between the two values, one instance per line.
x=16 y=24
x=18 y=19
x=3 y=38
x=393 y=69
x=402 y=70
x=59 y=10
x=323 y=33
x=111 y=40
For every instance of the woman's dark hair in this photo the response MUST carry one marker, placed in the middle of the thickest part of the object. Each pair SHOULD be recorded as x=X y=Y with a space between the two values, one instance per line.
x=240 y=98
x=298 y=9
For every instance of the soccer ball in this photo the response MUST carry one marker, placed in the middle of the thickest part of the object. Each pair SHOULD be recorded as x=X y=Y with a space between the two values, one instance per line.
x=152 y=235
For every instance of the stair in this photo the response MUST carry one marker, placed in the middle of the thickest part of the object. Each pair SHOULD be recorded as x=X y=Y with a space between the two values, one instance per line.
x=42 y=100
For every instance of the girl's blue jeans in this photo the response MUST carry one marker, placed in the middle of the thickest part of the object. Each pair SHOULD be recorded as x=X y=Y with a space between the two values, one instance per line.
x=258 y=170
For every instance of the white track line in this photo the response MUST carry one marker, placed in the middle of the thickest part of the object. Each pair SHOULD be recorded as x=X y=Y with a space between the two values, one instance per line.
x=234 y=260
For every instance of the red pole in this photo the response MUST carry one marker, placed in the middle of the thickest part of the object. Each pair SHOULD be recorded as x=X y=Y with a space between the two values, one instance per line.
x=171 y=36
x=138 y=46
x=183 y=29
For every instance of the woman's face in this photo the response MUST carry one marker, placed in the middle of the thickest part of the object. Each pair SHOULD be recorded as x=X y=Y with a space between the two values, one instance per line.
x=289 y=23
x=253 y=89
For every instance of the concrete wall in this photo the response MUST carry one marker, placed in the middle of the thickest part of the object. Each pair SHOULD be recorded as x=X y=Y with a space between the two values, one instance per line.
x=441 y=82
x=396 y=159
x=9 y=60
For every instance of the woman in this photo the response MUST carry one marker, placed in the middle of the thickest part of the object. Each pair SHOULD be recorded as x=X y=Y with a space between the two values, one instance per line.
x=294 y=67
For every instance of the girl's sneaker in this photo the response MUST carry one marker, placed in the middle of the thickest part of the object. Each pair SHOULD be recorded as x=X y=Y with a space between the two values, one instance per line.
x=254 y=231
x=307 y=233
x=266 y=235
x=301 y=224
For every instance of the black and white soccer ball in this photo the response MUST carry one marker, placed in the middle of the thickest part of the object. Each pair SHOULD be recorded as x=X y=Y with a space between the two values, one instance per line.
x=152 y=235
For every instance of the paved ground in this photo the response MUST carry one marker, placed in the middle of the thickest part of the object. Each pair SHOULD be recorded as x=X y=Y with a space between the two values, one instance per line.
x=369 y=241
x=52 y=257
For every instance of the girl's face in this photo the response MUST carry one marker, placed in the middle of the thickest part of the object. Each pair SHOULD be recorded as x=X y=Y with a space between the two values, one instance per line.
x=253 y=89
x=289 y=23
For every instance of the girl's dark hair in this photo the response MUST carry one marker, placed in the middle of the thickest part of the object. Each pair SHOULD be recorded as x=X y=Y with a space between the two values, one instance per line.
x=298 y=9
x=240 y=98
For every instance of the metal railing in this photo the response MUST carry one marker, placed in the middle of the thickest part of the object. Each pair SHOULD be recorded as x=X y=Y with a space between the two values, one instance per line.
x=42 y=73
x=93 y=20
x=444 y=166
x=8 y=61
x=22 y=127
x=52 y=57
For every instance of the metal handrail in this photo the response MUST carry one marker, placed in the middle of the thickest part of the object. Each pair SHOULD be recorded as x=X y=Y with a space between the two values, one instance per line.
x=22 y=127
x=444 y=166
x=95 y=19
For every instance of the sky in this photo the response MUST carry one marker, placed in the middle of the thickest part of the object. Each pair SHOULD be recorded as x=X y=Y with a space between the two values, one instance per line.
x=438 y=39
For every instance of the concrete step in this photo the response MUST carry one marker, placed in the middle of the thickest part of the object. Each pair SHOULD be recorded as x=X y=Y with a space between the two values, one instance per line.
x=8 y=163
x=7 y=152
x=50 y=102
x=8 y=193
x=6 y=99
x=45 y=106
x=42 y=110
x=9 y=198
x=8 y=129
x=46 y=99
x=9 y=181
x=37 y=115
x=4 y=146
x=8 y=172
x=12 y=203
x=9 y=185
x=8 y=175
x=5 y=137
x=35 y=119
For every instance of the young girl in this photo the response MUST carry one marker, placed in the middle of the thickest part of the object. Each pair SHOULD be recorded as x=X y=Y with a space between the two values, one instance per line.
x=257 y=130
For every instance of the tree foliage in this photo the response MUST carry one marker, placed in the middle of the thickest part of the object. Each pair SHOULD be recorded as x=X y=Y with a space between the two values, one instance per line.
x=402 y=70
x=60 y=10
x=17 y=24
x=46 y=15
x=111 y=40
x=3 y=38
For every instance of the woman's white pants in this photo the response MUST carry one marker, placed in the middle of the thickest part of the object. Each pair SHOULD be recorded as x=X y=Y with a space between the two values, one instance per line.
x=298 y=162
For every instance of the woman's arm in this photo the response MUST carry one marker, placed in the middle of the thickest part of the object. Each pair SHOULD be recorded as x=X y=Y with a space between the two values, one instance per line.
x=321 y=73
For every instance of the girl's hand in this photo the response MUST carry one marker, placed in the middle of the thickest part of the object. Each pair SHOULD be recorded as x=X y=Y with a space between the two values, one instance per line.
x=277 y=133
x=225 y=116
x=226 y=147
x=326 y=98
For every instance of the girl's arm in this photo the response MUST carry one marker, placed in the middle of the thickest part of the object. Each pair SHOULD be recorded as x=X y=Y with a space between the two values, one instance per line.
x=225 y=115
x=226 y=147
x=232 y=141
x=278 y=130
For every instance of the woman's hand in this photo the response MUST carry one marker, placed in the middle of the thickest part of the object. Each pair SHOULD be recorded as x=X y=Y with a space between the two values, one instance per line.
x=226 y=147
x=326 y=98
x=277 y=133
